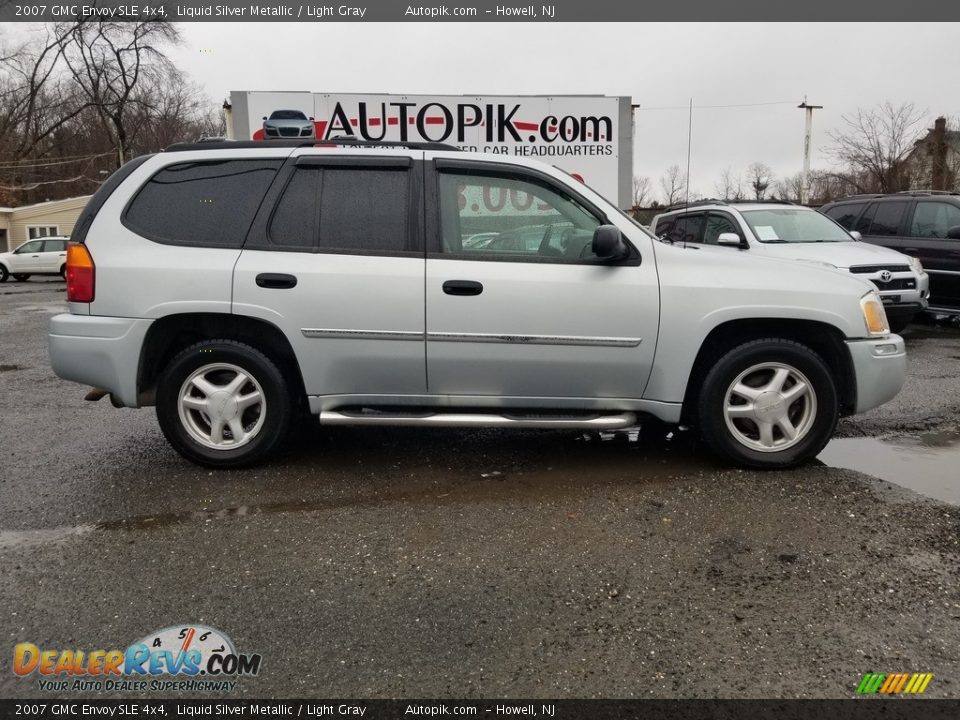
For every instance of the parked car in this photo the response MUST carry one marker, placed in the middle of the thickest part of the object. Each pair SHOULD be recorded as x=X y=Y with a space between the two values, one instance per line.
x=44 y=256
x=783 y=230
x=333 y=279
x=923 y=224
x=288 y=124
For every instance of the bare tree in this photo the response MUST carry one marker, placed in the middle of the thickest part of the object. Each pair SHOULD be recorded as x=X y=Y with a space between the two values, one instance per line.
x=642 y=190
x=673 y=184
x=789 y=188
x=875 y=143
x=110 y=61
x=760 y=176
x=730 y=186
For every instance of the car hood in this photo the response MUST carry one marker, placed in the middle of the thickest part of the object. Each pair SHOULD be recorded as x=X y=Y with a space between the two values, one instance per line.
x=287 y=123
x=841 y=254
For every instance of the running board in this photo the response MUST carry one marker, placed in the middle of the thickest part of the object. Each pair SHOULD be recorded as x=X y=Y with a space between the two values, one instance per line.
x=444 y=419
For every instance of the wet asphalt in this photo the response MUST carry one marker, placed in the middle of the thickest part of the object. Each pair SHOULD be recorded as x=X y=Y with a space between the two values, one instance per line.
x=414 y=563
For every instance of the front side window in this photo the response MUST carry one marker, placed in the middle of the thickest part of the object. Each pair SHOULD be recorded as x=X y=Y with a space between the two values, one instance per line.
x=793 y=225
x=886 y=220
x=30 y=247
x=716 y=225
x=207 y=204
x=513 y=218
x=348 y=210
x=933 y=219
x=845 y=215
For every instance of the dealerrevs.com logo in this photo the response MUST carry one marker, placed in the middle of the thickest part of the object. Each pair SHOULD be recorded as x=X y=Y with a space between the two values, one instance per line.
x=180 y=657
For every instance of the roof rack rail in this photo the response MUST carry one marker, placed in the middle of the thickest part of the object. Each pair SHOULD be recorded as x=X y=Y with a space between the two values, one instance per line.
x=714 y=201
x=220 y=143
x=921 y=193
x=695 y=203
x=860 y=196
x=764 y=201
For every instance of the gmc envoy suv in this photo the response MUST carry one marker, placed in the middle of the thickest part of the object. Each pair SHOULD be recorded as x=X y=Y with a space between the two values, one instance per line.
x=240 y=285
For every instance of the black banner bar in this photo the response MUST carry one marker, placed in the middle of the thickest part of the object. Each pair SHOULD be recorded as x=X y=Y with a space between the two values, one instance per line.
x=855 y=709
x=322 y=11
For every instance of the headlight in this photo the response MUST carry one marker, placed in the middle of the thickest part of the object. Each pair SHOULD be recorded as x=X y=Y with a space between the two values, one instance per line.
x=916 y=265
x=874 y=315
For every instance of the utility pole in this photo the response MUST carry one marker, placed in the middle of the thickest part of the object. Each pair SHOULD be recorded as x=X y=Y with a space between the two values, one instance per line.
x=805 y=189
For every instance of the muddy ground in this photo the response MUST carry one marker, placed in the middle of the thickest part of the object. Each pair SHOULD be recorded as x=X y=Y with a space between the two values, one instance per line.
x=405 y=563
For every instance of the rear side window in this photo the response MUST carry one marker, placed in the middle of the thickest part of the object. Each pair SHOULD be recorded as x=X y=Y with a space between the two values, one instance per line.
x=686 y=229
x=887 y=218
x=934 y=219
x=845 y=215
x=347 y=210
x=205 y=204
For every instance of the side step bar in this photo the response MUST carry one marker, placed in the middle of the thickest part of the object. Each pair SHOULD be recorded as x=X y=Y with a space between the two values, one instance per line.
x=441 y=419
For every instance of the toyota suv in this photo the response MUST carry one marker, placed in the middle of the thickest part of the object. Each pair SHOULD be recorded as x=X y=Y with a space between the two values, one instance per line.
x=787 y=231
x=924 y=224
x=236 y=287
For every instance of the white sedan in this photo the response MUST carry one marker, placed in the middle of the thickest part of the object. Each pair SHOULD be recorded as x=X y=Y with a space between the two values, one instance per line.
x=45 y=256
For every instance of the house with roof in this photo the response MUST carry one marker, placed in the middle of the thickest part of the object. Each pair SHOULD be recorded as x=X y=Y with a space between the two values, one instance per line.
x=55 y=217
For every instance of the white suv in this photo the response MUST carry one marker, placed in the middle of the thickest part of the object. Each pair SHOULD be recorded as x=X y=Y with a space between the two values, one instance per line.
x=233 y=285
x=44 y=256
x=792 y=232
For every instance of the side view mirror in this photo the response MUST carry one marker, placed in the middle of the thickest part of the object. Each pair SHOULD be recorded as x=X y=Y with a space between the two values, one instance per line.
x=729 y=239
x=264 y=117
x=311 y=118
x=954 y=232
x=856 y=235
x=608 y=243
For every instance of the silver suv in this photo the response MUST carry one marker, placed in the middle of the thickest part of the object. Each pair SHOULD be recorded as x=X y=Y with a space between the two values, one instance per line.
x=237 y=286
x=792 y=232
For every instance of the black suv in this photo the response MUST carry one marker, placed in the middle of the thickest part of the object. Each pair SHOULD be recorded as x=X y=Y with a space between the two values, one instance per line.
x=921 y=223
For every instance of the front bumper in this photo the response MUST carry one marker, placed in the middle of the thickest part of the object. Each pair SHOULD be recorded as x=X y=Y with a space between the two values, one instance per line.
x=880 y=369
x=100 y=351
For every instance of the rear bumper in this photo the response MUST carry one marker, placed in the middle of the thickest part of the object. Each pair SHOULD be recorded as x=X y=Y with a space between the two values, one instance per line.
x=100 y=351
x=880 y=368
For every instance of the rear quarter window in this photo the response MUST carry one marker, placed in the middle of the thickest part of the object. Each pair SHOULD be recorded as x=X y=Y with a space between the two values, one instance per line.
x=208 y=203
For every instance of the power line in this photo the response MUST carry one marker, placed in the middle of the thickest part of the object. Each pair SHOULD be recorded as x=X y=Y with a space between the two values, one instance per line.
x=15 y=165
x=704 y=107
x=34 y=186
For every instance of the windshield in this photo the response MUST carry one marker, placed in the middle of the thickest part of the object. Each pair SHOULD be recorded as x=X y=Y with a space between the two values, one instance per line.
x=287 y=115
x=793 y=225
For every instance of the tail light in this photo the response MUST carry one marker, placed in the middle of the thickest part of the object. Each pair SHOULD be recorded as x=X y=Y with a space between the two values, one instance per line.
x=81 y=274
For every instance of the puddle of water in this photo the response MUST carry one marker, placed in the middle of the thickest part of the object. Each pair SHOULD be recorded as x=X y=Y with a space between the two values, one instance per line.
x=10 y=368
x=20 y=539
x=928 y=464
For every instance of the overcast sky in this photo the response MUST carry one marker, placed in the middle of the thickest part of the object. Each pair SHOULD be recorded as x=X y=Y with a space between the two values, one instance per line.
x=839 y=66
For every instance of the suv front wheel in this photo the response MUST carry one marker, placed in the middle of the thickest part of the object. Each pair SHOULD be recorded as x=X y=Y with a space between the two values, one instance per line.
x=223 y=404
x=769 y=403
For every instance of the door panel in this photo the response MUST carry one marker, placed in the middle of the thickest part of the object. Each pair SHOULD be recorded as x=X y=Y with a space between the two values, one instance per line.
x=543 y=317
x=541 y=330
x=355 y=322
x=27 y=257
x=335 y=260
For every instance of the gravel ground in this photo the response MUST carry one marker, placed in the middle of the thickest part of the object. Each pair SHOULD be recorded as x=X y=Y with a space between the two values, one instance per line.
x=402 y=563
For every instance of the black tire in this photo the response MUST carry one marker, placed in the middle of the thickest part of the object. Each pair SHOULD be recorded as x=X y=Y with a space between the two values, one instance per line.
x=4 y=274
x=814 y=422
x=63 y=271
x=21 y=277
x=185 y=433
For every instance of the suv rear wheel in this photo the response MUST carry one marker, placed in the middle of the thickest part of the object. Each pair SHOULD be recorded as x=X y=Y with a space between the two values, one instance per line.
x=769 y=403
x=223 y=404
